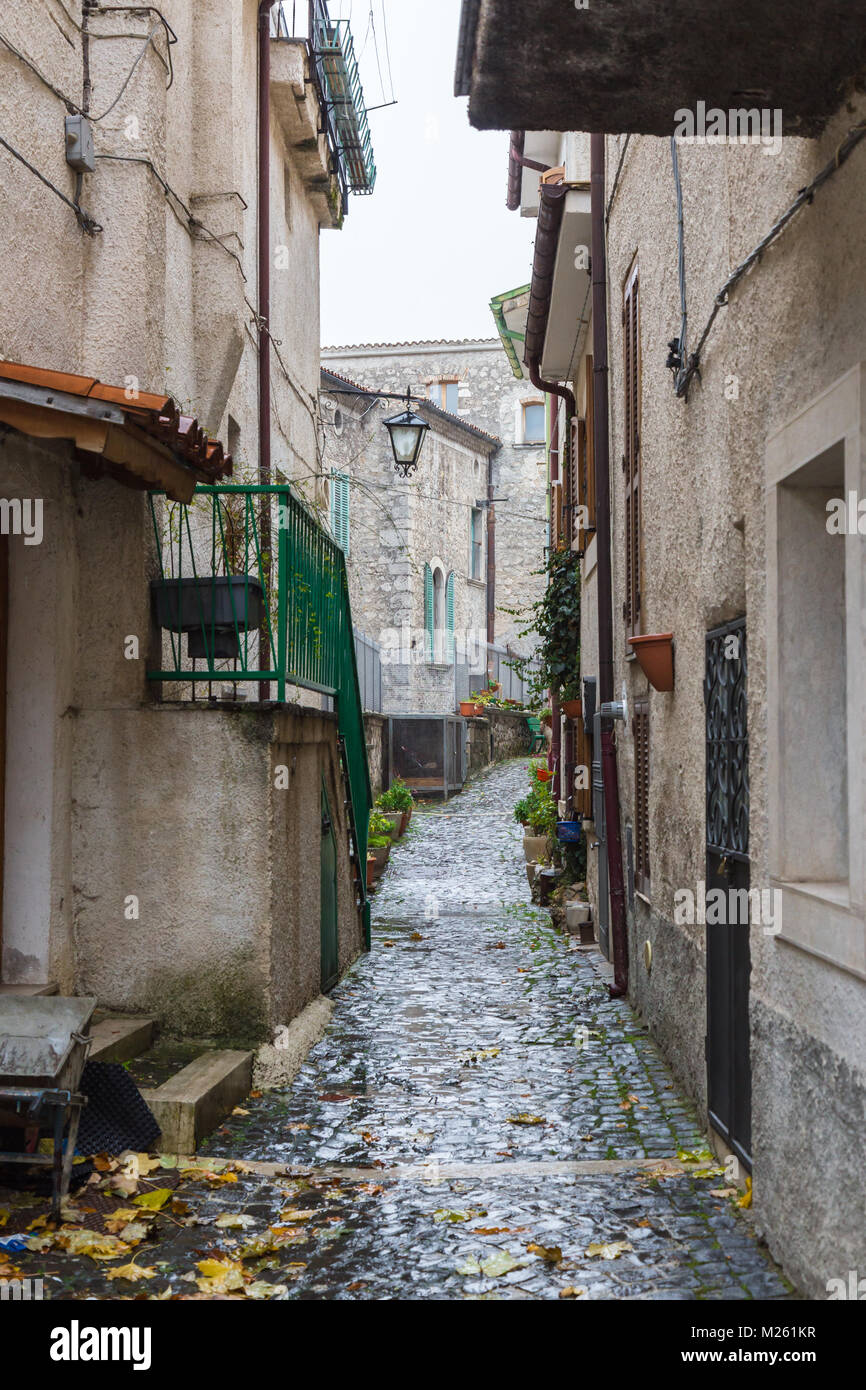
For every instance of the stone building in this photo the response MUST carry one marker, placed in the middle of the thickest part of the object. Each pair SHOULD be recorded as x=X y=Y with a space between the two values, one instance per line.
x=736 y=464
x=416 y=548
x=473 y=382
x=163 y=855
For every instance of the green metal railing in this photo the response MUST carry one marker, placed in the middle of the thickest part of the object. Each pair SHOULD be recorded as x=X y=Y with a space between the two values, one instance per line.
x=233 y=599
x=334 y=54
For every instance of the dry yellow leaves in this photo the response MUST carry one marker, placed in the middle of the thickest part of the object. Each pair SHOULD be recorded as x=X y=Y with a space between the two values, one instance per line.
x=208 y=1175
x=76 y=1241
x=155 y=1200
x=571 y=1292
x=132 y=1272
x=525 y=1119
x=233 y=1222
x=609 y=1250
x=746 y=1199
x=551 y=1253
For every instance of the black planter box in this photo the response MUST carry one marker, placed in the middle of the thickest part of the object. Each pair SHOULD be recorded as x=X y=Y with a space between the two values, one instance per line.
x=209 y=608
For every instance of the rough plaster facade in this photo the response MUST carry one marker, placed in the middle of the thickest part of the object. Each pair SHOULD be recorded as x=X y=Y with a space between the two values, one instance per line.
x=107 y=796
x=491 y=398
x=724 y=533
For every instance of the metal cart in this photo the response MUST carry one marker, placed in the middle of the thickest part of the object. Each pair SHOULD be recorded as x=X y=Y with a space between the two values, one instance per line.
x=44 y=1042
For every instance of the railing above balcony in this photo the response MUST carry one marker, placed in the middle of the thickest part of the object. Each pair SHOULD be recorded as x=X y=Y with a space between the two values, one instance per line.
x=337 y=80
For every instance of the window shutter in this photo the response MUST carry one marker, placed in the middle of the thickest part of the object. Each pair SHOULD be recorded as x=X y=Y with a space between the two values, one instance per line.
x=641 y=796
x=631 y=457
x=340 y=510
x=583 y=759
x=428 y=611
x=449 y=617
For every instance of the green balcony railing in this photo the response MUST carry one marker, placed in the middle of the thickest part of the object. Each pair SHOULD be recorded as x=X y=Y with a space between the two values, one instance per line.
x=250 y=615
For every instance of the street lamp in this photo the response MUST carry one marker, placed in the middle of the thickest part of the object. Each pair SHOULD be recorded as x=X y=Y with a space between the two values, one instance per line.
x=407 y=431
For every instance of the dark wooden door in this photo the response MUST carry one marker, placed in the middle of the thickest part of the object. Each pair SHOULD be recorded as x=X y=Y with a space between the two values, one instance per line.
x=729 y=1076
x=328 y=923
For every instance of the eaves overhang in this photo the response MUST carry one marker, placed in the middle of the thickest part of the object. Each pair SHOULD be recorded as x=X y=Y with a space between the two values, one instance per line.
x=141 y=440
x=571 y=294
x=509 y=312
x=631 y=65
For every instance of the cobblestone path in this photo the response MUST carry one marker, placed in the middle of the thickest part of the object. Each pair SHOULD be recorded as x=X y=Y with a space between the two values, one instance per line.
x=496 y=1100
x=480 y=1120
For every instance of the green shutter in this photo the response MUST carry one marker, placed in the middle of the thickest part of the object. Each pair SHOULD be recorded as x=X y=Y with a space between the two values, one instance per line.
x=449 y=617
x=340 y=510
x=428 y=610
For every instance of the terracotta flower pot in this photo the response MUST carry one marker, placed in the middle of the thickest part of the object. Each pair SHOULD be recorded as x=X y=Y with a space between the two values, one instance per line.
x=655 y=654
x=479 y=709
x=467 y=708
x=572 y=709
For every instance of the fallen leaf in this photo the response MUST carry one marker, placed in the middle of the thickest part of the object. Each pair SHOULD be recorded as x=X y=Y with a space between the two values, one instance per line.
x=274 y=1238
x=746 y=1199
x=724 y=1192
x=292 y=1215
x=104 y=1163
x=500 y=1263
x=416 y=936
x=525 y=1119
x=80 y=1242
x=571 y=1292
x=262 y=1289
x=132 y=1272
x=239 y=1110
x=551 y=1253
x=296 y=1128
x=443 y=1214
x=4 y=1216
x=208 y=1175
x=155 y=1200
x=609 y=1250
x=482 y=1054
x=232 y=1222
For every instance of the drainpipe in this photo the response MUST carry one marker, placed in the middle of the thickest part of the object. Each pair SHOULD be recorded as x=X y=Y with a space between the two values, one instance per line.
x=491 y=555
x=601 y=445
x=263 y=204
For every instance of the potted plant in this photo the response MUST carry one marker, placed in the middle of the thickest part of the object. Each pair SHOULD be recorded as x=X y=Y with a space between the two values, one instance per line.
x=398 y=799
x=570 y=701
x=467 y=709
x=379 y=841
x=477 y=701
x=537 y=813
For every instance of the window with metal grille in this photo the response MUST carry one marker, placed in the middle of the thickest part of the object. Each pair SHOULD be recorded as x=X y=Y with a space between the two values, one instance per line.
x=340 y=510
x=631 y=460
x=640 y=726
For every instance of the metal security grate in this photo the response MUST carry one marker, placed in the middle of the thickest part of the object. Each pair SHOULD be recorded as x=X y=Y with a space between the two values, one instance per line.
x=726 y=696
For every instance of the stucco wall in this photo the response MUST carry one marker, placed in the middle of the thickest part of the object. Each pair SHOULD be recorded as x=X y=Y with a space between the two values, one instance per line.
x=792 y=329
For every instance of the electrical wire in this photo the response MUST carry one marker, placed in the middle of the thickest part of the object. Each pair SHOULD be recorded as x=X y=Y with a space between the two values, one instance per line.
x=616 y=177
x=388 y=51
x=72 y=107
x=805 y=195
x=85 y=221
x=129 y=76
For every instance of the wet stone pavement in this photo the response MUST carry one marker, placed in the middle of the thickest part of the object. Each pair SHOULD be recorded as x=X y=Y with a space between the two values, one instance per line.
x=479 y=1121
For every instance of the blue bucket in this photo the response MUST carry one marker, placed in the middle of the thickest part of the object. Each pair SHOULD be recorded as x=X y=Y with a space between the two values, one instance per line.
x=569 y=832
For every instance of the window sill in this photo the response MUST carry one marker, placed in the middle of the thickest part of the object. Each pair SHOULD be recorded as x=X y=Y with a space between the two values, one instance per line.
x=477 y=583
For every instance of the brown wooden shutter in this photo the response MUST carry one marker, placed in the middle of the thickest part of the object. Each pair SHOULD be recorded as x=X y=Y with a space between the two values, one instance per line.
x=583 y=758
x=640 y=727
x=589 y=455
x=631 y=457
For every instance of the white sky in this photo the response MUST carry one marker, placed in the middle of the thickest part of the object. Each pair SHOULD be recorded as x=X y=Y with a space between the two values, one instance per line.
x=424 y=255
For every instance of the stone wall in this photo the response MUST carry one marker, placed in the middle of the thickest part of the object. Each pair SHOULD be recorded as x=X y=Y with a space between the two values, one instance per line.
x=376 y=732
x=489 y=397
x=510 y=734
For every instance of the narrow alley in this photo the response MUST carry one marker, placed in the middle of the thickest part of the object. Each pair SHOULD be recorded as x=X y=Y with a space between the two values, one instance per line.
x=491 y=1106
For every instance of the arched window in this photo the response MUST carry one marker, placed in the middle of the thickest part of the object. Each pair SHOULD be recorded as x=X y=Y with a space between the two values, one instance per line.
x=438 y=615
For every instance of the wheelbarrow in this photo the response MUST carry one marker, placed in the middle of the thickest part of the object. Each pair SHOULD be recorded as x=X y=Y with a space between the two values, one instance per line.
x=44 y=1042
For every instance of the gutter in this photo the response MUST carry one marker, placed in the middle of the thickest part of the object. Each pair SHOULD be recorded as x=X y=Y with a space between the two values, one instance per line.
x=601 y=445
x=263 y=212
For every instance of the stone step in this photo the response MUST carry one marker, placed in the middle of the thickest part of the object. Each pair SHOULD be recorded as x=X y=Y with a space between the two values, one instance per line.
x=192 y=1103
x=29 y=991
x=118 y=1037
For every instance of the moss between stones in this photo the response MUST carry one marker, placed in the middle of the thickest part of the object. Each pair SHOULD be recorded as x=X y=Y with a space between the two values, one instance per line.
x=224 y=1001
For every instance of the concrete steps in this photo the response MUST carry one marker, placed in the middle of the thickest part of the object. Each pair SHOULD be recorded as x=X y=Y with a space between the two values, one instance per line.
x=118 y=1038
x=192 y=1103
